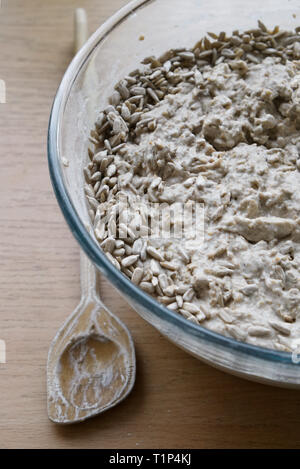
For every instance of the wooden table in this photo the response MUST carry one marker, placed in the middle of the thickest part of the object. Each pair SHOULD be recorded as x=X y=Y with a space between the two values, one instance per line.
x=177 y=402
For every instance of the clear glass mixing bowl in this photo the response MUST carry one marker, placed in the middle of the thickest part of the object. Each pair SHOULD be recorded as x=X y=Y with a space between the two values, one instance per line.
x=110 y=54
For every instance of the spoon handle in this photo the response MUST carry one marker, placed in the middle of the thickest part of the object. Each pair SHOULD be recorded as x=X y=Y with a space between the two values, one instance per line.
x=81 y=29
x=88 y=278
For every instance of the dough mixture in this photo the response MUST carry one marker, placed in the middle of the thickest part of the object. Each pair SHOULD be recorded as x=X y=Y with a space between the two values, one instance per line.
x=217 y=126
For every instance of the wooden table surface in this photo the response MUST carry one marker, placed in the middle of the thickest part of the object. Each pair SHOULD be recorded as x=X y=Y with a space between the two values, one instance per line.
x=177 y=402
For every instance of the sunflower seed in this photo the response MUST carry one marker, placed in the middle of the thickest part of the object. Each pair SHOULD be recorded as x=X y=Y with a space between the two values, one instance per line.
x=282 y=328
x=179 y=301
x=135 y=117
x=88 y=189
x=115 y=98
x=154 y=266
x=168 y=266
x=189 y=295
x=185 y=256
x=98 y=157
x=167 y=300
x=258 y=331
x=253 y=58
x=147 y=287
x=143 y=254
x=118 y=148
x=236 y=332
x=204 y=55
x=137 y=276
x=200 y=317
x=123 y=90
x=181 y=289
x=154 y=253
x=193 y=319
x=105 y=161
x=187 y=55
x=113 y=260
x=119 y=253
x=262 y=26
x=225 y=316
x=128 y=261
x=191 y=308
x=110 y=109
x=125 y=112
x=108 y=245
x=154 y=281
x=107 y=145
x=137 y=246
x=173 y=306
x=93 y=203
x=143 y=122
x=100 y=120
x=228 y=53
x=163 y=281
x=103 y=193
x=249 y=290
x=185 y=314
x=96 y=177
x=119 y=243
x=153 y=95
x=169 y=290
x=111 y=170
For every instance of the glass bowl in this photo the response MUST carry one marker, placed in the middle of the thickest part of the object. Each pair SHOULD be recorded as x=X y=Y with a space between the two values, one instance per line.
x=110 y=54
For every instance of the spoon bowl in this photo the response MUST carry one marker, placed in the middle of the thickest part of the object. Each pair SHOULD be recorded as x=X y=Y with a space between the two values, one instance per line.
x=91 y=362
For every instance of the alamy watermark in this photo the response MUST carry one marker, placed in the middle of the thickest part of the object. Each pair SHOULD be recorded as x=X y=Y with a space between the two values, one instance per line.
x=160 y=221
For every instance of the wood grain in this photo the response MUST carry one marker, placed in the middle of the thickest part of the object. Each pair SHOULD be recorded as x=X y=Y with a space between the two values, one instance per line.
x=177 y=402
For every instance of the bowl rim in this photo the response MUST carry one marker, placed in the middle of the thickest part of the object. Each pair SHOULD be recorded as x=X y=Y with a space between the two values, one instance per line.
x=86 y=242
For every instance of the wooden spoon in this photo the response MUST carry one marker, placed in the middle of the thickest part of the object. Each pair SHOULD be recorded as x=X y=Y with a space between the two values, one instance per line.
x=91 y=361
